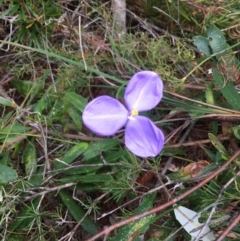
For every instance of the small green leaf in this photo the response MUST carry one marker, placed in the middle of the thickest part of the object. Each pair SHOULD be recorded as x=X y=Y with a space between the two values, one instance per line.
x=6 y=118
x=76 y=100
x=236 y=131
x=6 y=102
x=202 y=44
x=29 y=158
x=7 y=174
x=218 y=145
x=22 y=86
x=4 y=159
x=77 y=212
x=217 y=40
x=209 y=93
x=71 y=155
x=76 y=117
x=39 y=106
x=228 y=90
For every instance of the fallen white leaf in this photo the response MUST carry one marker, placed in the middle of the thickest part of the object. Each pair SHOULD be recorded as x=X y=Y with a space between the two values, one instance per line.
x=189 y=221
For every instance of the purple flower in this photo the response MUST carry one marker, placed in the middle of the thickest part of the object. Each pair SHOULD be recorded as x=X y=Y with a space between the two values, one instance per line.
x=105 y=115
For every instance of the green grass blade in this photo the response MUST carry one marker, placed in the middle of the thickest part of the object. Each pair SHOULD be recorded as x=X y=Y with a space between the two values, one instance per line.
x=70 y=61
x=218 y=145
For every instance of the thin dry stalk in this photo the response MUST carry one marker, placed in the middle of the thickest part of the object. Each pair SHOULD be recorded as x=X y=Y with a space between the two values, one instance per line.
x=229 y=228
x=108 y=230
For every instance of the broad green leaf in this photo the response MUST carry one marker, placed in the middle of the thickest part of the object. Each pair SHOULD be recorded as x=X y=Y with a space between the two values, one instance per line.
x=91 y=178
x=77 y=212
x=174 y=152
x=119 y=154
x=96 y=147
x=7 y=174
x=141 y=225
x=22 y=86
x=226 y=57
x=218 y=145
x=85 y=169
x=76 y=117
x=202 y=44
x=210 y=154
x=92 y=168
x=16 y=237
x=29 y=158
x=76 y=100
x=228 y=90
x=217 y=40
x=110 y=157
x=88 y=187
x=71 y=155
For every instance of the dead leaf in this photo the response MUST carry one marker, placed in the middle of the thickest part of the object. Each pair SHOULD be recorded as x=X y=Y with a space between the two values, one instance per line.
x=193 y=169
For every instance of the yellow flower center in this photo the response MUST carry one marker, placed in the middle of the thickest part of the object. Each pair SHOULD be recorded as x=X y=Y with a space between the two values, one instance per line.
x=134 y=112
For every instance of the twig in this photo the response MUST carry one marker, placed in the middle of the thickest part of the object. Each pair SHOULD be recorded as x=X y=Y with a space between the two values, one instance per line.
x=193 y=143
x=185 y=135
x=202 y=103
x=176 y=21
x=50 y=68
x=80 y=42
x=229 y=228
x=43 y=141
x=215 y=206
x=118 y=8
x=108 y=230
x=70 y=235
x=17 y=139
x=77 y=137
x=47 y=190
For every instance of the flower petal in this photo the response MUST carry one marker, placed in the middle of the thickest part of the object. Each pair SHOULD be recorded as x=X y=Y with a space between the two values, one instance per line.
x=105 y=116
x=144 y=91
x=142 y=137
